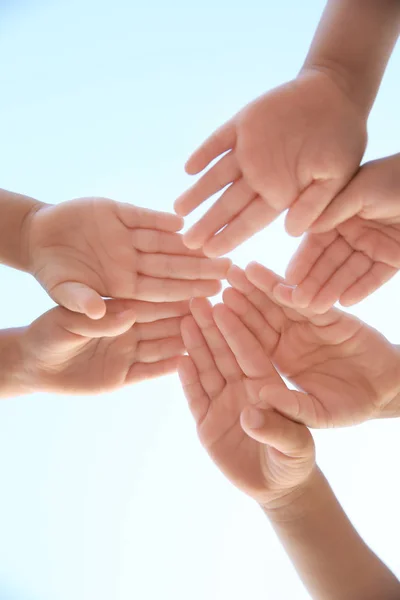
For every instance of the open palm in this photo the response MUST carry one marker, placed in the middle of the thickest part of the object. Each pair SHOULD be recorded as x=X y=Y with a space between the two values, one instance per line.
x=66 y=352
x=84 y=249
x=362 y=252
x=347 y=369
x=219 y=387
x=295 y=147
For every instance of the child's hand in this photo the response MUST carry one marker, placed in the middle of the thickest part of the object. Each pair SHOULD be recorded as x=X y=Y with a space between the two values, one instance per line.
x=264 y=454
x=66 y=352
x=88 y=248
x=295 y=147
x=349 y=371
x=363 y=252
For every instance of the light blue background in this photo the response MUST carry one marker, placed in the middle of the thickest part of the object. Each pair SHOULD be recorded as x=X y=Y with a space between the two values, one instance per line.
x=112 y=497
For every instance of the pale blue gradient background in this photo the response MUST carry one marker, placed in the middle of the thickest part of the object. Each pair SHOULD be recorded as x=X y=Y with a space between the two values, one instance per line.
x=112 y=497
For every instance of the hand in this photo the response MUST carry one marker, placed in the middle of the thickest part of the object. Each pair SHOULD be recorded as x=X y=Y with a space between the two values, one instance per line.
x=65 y=352
x=363 y=251
x=265 y=455
x=92 y=247
x=349 y=371
x=295 y=147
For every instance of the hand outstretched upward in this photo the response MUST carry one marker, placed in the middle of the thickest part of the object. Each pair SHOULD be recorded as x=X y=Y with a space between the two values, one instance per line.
x=84 y=249
x=363 y=250
x=66 y=352
x=295 y=147
x=348 y=371
x=264 y=454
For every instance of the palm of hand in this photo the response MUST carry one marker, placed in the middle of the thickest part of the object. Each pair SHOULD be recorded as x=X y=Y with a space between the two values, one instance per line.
x=218 y=390
x=354 y=247
x=346 y=264
x=347 y=369
x=89 y=248
x=297 y=146
x=87 y=242
x=68 y=352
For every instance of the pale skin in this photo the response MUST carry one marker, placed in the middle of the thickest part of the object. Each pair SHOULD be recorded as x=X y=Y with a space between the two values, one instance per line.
x=297 y=146
x=271 y=458
x=83 y=250
x=362 y=252
x=346 y=371
x=68 y=353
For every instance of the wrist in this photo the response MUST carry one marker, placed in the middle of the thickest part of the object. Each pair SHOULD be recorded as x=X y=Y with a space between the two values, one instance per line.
x=295 y=505
x=341 y=81
x=27 y=246
x=391 y=408
x=12 y=380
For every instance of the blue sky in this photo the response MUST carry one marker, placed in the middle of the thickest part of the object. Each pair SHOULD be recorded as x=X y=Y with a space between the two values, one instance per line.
x=113 y=496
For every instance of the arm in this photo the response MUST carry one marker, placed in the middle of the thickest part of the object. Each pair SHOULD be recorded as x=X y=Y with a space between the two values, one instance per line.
x=15 y=215
x=353 y=42
x=332 y=560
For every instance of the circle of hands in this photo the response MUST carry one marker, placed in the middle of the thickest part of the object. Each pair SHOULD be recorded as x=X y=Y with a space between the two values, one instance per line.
x=133 y=290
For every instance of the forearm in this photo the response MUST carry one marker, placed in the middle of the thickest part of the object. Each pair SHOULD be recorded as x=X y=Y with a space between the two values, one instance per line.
x=353 y=42
x=15 y=214
x=332 y=560
x=11 y=367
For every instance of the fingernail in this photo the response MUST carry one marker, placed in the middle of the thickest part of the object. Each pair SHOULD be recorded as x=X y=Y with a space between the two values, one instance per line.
x=254 y=417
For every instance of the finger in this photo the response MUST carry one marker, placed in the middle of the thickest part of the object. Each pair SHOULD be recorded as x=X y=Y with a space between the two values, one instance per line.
x=346 y=204
x=260 y=292
x=182 y=267
x=211 y=379
x=310 y=205
x=152 y=241
x=252 y=319
x=150 y=351
x=147 y=312
x=224 y=172
x=279 y=313
x=300 y=407
x=262 y=278
x=330 y=261
x=307 y=254
x=231 y=203
x=355 y=267
x=197 y=398
x=222 y=140
x=253 y=218
x=244 y=345
x=366 y=285
x=165 y=328
x=270 y=428
x=143 y=371
x=145 y=218
x=153 y=289
x=72 y=328
x=222 y=356
x=79 y=298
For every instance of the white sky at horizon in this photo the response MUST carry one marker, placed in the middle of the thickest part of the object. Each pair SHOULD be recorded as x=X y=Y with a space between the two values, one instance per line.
x=112 y=497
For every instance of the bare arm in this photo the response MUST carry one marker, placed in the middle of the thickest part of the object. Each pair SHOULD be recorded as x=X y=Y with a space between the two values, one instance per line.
x=332 y=560
x=353 y=42
x=15 y=213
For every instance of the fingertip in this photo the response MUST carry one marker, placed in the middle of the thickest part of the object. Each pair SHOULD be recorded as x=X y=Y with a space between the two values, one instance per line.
x=252 y=418
x=293 y=227
x=283 y=293
x=190 y=241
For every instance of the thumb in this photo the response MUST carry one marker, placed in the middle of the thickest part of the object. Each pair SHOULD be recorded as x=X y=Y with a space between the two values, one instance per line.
x=297 y=406
x=115 y=322
x=79 y=298
x=270 y=428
